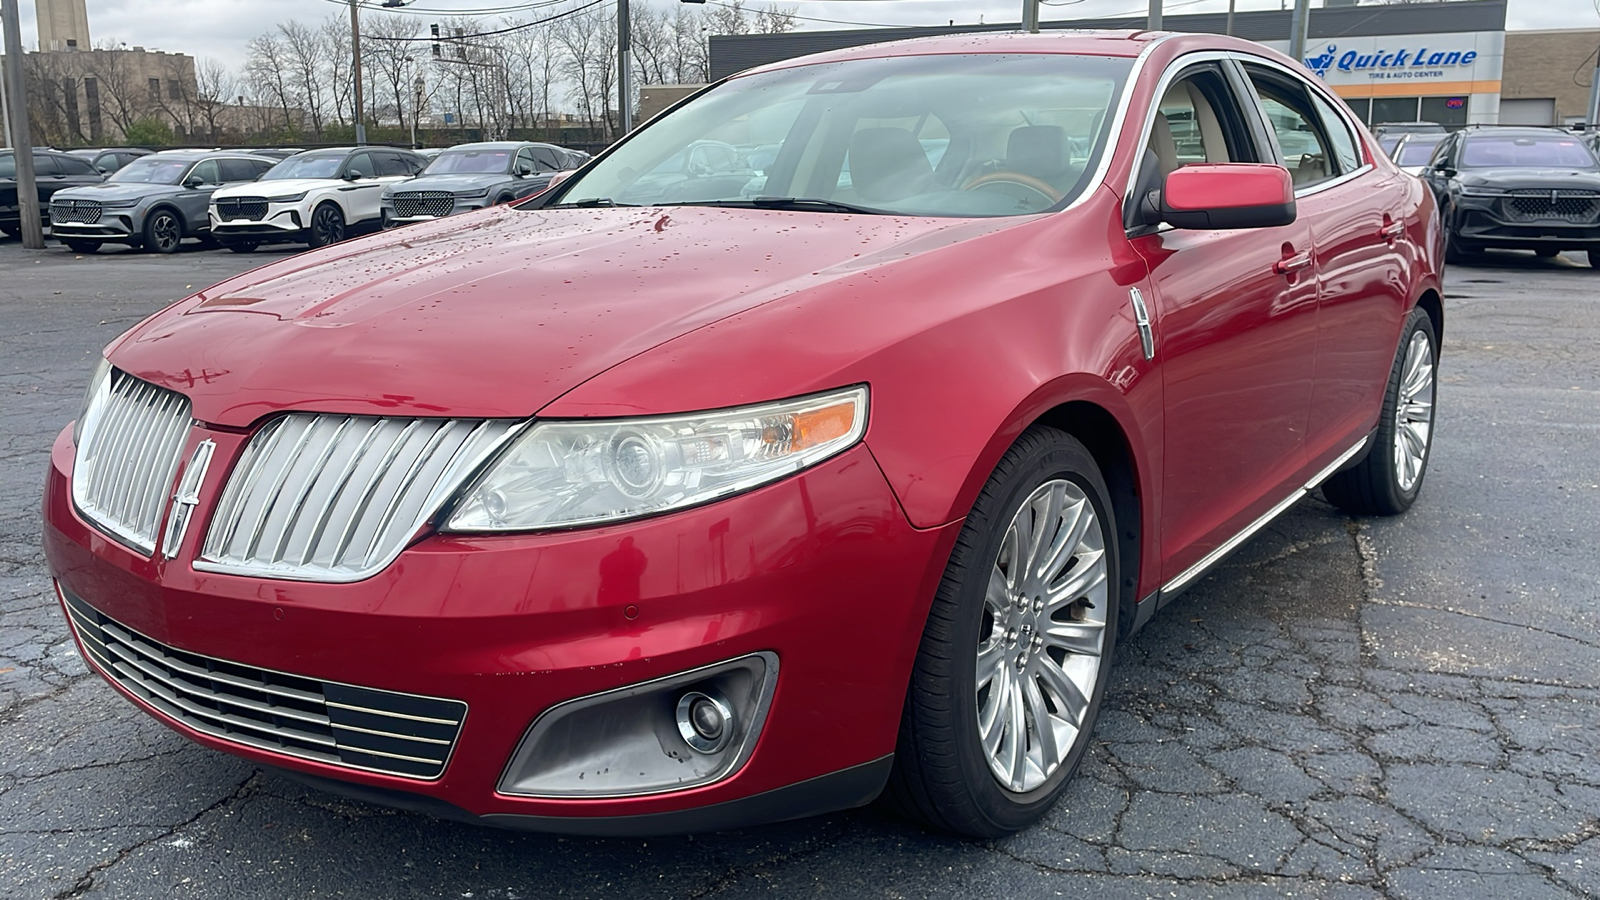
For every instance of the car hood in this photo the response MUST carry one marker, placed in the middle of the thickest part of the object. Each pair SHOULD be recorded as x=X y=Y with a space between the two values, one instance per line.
x=497 y=313
x=1510 y=179
x=451 y=182
x=282 y=187
x=112 y=190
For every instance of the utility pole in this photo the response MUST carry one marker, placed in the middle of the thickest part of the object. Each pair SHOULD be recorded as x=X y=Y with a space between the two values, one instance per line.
x=5 y=108
x=27 y=187
x=1153 y=23
x=1030 y=16
x=624 y=68
x=355 y=51
x=1298 y=27
x=1229 y=30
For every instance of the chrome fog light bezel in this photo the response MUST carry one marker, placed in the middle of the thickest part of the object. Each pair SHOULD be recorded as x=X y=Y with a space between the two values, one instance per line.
x=535 y=769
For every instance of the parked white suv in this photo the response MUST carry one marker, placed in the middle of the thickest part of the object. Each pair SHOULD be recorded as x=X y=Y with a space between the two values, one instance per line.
x=319 y=197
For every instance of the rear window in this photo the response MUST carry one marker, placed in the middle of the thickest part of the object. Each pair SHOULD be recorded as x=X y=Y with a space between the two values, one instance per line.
x=1416 y=152
x=1489 y=151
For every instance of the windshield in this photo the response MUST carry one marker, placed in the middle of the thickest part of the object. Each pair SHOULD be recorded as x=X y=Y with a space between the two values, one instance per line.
x=305 y=167
x=470 y=162
x=149 y=170
x=1525 y=152
x=1416 y=151
x=973 y=135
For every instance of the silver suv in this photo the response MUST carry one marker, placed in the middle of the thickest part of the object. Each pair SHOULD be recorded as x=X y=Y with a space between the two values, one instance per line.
x=152 y=202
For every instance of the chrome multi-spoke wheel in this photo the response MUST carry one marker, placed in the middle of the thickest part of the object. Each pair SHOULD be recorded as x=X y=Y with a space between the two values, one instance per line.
x=1388 y=478
x=163 y=232
x=1413 y=412
x=1013 y=662
x=1044 y=622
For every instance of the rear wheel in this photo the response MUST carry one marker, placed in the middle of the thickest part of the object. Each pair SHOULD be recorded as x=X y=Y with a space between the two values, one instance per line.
x=10 y=230
x=1013 y=662
x=1388 y=480
x=327 y=226
x=81 y=246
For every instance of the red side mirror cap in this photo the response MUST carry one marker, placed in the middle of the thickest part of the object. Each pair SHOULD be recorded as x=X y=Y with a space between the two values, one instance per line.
x=1228 y=195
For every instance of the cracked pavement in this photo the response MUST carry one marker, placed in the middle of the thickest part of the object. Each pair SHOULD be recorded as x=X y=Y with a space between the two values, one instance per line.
x=1347 y=708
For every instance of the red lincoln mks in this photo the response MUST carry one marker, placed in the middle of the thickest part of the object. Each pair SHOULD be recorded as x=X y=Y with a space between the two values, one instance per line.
x=819 y=440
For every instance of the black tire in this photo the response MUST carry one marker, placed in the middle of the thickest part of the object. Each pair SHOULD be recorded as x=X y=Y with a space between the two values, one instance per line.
x=941 y=774
x=163 y=231
x=1546 y=252
x=327 y=226
x=1594 y=259
x=1458 y=251
x=1374 y=486
x=11 y=231
x=77 y=246
x=239 y=246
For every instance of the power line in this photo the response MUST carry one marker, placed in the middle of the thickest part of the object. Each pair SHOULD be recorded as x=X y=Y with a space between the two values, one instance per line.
x=482 y=34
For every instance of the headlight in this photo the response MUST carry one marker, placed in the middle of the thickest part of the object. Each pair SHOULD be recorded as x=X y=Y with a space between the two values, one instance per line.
x=466 y=195
x=1480 y=191
x=118 y=204
x=561 y=474
x=290 y=198
x=99 y=383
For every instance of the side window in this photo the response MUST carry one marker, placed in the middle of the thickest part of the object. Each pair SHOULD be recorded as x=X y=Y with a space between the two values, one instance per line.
x=1344 y=143
x=390 y=164
x=239 y=170
x=106 y=163
x=207 y=172
x=1293 y=121
x=414 y=163
x=361 y=164
x=72 y=165
x=1198 y=121
x=546 y=158
x=44 y=165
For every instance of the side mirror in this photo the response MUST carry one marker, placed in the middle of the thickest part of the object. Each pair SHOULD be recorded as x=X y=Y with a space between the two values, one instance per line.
x=352 y=176
x=1227 y=196
x=193 y=181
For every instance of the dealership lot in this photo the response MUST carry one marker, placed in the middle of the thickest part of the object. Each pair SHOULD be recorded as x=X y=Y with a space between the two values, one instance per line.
x=1348 y=708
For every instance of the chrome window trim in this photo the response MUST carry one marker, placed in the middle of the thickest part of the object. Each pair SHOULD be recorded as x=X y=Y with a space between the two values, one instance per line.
x=1210 y=559
x=1239 y=56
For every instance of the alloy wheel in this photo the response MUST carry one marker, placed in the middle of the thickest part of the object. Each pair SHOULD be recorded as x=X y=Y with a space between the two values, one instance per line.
x=1413 y=412
x=327 y=226
x=1043 y=631
x=165 y=233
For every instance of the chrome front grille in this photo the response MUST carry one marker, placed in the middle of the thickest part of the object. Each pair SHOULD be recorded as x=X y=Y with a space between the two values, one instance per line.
x=129 y=445
x=336 y=498
x=423 y=203
x=249 y=209
x=339 y=724
x=81 y=212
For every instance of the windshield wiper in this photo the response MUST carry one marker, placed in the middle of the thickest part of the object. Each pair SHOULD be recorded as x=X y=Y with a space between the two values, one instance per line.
x=591 y=202
x=802 y=203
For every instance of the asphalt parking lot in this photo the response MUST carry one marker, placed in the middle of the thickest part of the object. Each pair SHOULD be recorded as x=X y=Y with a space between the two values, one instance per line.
x=1402 y=708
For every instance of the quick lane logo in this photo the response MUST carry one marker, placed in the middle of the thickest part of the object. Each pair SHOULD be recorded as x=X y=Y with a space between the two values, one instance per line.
x=1353 y=61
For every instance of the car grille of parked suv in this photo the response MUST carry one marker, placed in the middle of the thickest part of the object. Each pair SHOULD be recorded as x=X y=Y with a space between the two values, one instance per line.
x=82 y=212
x=339 y=724
x=128 y=453
x=1571 y=206
x=252 y=209
x=423 y=203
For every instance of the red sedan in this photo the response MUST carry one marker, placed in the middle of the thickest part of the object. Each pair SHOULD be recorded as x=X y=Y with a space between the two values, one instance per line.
x=821 y=439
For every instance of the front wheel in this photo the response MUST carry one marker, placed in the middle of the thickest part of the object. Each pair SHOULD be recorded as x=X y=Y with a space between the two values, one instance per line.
x=1388 y=480
x=1013 y=662
x=163 y=232
x=1594 y=259
x=327 y=226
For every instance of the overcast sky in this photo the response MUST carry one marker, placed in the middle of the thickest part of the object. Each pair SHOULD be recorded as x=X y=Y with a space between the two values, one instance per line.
x=220 y=28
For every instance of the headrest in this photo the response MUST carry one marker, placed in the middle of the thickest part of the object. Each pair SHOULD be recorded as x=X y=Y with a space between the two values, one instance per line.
x=888 y=164
x=1038 y=150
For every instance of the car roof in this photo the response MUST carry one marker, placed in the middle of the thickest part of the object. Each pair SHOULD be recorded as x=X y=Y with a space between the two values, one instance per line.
x=490 y=145
x=1521 y=131
x=1124 y=43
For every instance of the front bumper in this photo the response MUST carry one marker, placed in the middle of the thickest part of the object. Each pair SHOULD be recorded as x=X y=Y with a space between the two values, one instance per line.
x=114 y=225
x=281 y=220
x=1489 y=221
x=821 y=569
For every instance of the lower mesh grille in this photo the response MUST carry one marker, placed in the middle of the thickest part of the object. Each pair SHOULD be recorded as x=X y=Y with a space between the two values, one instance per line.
x=423 y=203
x=81 y=212
x=337 y=724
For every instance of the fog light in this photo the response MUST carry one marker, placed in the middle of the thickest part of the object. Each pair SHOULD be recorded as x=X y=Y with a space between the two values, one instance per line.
x=705 y=721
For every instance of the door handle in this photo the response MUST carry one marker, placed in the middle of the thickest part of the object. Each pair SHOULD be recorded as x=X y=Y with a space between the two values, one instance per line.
x=1391 y=231
x=1292 y=264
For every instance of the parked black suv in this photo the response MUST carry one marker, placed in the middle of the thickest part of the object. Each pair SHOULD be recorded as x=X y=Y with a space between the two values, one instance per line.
x=52 y=171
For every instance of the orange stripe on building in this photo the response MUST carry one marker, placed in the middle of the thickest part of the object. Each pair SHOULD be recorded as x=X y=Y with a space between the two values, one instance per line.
x=1416 y=88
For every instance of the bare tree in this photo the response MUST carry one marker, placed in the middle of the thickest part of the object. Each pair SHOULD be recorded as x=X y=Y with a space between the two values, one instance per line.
x=335 y=33
x=121 y=97
x=387 y=47
x=215 y=87
x=266 y=71
x=306 y=53
x=53 y=112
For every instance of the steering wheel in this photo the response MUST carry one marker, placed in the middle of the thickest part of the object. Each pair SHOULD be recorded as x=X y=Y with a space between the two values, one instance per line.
x=1019 y=179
